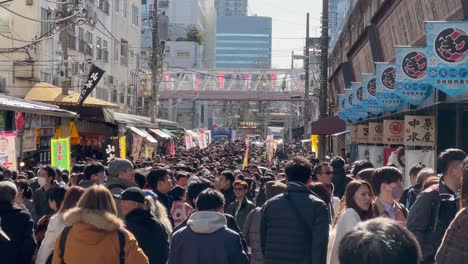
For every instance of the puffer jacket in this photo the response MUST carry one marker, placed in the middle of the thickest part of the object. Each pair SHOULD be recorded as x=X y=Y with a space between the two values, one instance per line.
x=284 y=236
x=93 y=238
x=252 y=235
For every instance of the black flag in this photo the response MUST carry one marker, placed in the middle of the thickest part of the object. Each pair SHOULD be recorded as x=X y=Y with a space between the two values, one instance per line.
x=94 y=76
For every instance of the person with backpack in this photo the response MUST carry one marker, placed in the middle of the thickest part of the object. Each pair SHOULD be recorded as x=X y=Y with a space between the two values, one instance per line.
x=294 y=226
x=95 y=234
x=409 y=198
x=387 y=185
x=407 y=194
x=436 y=207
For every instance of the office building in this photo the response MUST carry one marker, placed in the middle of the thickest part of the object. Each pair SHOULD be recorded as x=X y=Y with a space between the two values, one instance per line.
x=231 y=7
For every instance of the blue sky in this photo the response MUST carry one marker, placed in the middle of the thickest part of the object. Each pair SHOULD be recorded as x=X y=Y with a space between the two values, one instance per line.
x=289 y=18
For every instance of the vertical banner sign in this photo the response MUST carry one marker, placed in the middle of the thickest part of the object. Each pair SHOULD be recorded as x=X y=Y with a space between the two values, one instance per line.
x=350 y=110
x=123 y=147
x=363 y=134
x=60 y=153
x=341 y=108
x=273 y=81
x=386 y=97
x=111 y=148
x=419 y=131
x=221 y=81
x=314 y=142
x=171 y=148
x=353 y=134
x=375 y=133
x=29 y=140
x=188 y=141
x=357 y=99
x=148 y=152
x=19 y=121
x=447 y=50
x=393 y=133
x=245 y=162
x=411 y=81
x=8 y=150
x=202 y=140
x=270 y=148
x=369 y=84
x=136 y=146
x=94 y=76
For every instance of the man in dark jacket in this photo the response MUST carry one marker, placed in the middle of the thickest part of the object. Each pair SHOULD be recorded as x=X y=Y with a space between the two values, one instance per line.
x=17 y=244
x=226 y=179
x=206 y=239
x=242 y=206
x=340 y=180
x=150 y=233
x=159 y=180
x=294 y=226
x=435 y=208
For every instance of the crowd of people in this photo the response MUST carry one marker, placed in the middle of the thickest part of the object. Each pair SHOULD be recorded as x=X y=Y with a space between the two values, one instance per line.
x=204 y=206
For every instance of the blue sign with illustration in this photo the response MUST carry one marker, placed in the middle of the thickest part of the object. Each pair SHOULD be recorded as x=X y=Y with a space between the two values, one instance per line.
x=369 y=84
x=341 y=108
x=411 y=82
x=350 y=110
x=357 y=95
x=386 y=97
x=447 y=50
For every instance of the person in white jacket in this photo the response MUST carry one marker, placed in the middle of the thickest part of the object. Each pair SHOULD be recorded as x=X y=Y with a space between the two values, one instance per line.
x=57 y=224
x=357 y=207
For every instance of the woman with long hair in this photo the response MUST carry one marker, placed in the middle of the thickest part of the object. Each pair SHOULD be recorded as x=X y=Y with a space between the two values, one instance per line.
x=96 y=234
x=357 y=207
x=57 y=224
x=24 y=197
x=453 y=248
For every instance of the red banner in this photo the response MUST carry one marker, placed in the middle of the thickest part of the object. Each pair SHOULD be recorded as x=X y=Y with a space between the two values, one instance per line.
x=221 y=81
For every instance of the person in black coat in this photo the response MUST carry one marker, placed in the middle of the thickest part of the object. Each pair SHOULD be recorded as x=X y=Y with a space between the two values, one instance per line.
x=340 y=180
x=17 y=244
x=147 y=229
x=294 y=226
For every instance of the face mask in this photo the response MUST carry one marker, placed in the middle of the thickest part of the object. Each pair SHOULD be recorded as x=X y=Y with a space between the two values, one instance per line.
x=397 y=191
x=41 y=181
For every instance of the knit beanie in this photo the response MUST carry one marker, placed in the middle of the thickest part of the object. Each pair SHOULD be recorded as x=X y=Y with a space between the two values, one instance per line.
x=118 y=165
x=274 y=188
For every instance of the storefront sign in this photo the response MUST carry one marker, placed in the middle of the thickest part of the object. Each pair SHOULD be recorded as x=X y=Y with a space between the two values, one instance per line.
x=350 y=111
x=136 y=146
x=8 y=150
x=353 y=134
x=202 y=139
x=447 y=50
x=363 y=134
x=341 y=108
x=148 y=151
x=188 y=141
x=29 y=140
x=123 y=147
x=411 y=81
x=375 y=133
x=393 y=132
x=386 y=97
x=369 y=83
x=60 y=153
x=111 y=148
x=357 y=96
x=419 y=131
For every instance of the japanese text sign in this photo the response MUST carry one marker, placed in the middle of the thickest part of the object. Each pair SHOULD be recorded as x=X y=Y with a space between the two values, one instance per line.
x=369 y=84
x=447 y=51
x=8 y=150
x=393 y=132
x=375 y=133
x=363 y=134
x=60 y=153
x=411 y=81
x=419 y=131
x=386 y=97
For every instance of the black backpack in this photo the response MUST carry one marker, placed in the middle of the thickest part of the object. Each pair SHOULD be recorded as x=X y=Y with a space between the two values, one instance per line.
x=444 y=209
x=63 y=240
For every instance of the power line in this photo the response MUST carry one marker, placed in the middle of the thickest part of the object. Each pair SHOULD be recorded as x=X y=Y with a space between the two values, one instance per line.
x=39 y=20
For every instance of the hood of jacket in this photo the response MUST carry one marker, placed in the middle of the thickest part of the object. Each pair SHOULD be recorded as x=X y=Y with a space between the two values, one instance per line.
x=206 y=222
x=140 y=216
x=92 y=225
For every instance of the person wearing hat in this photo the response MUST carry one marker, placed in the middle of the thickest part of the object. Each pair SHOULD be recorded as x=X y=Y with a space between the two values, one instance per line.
x=251 y=229
x=17 y=244
x=120 y=176
x=147 y=229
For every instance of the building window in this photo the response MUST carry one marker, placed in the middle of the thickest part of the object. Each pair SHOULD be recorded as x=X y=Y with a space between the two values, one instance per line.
x=116 y=6
x=183 y=53
x=89 y=48
x=125 y=7
x=122 y=97
x=98 y=49
x=124 y=52
x=105 y=51
x=114 y=96
x=116 y=51
x=71 y=38
x=135 y=16
x=81 y=40
x=45 y=77
x=104 y=6
x=46 y=27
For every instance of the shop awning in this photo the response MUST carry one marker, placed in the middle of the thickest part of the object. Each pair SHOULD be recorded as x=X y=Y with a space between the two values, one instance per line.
x=26 y=106
x=143 y=134
x=168 y=132
x=133 y=120
x=48 y=93
x=328 y=126
x=160 y=133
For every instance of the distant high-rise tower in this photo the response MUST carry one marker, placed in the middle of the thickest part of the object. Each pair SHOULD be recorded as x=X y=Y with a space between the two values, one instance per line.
x=231 y=7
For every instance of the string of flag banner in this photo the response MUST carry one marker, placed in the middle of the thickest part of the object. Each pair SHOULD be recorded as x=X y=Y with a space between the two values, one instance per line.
x=441 y=65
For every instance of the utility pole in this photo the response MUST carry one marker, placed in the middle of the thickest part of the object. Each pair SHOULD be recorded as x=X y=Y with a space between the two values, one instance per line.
x=155 y=64
x=292 y=60
x=307 y=110
x=323 y=77
x=64 y=43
